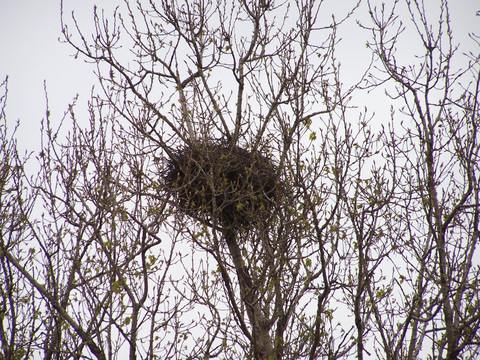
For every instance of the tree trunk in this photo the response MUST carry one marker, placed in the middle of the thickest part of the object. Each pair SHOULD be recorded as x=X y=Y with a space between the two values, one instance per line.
x=262 y=344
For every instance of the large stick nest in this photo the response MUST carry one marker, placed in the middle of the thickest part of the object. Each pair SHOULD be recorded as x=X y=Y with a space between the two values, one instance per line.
x=223 y=184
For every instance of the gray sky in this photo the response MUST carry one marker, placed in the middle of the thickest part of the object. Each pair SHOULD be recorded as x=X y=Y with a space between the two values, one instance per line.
x=31 y=53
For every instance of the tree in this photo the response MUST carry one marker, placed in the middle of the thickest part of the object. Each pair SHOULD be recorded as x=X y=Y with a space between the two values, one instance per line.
x=221 y=202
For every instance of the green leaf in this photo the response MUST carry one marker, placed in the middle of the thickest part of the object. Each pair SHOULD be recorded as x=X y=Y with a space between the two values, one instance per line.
x=117 y=286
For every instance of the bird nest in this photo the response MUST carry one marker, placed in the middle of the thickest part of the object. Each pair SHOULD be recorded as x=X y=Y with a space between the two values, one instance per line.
x=222 y=184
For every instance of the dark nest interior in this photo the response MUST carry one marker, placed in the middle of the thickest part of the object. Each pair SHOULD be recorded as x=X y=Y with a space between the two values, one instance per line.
x=222 y=184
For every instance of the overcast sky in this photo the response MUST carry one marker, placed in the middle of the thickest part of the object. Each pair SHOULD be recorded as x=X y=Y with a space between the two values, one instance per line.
x=31 y=53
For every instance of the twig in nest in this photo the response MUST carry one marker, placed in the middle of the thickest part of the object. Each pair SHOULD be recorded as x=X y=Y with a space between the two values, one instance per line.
x=222 y=184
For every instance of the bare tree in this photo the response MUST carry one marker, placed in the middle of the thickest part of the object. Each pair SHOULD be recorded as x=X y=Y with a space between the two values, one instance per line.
x=222 y=202
x=20 y=322
x=432 y=147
